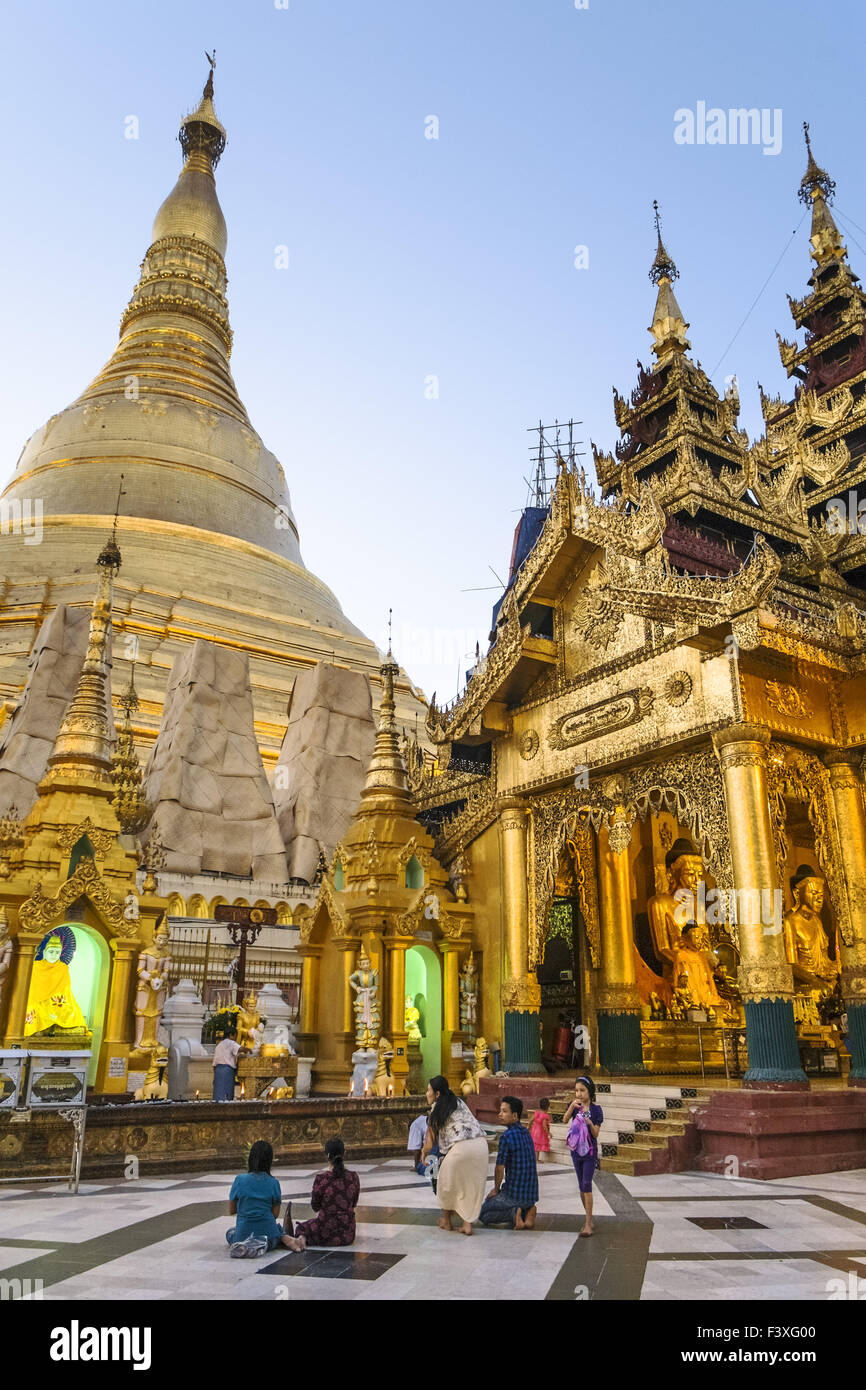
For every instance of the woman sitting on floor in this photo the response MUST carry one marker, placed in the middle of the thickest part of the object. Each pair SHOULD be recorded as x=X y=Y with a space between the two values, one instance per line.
x=335 y=1196
x=255 y=1200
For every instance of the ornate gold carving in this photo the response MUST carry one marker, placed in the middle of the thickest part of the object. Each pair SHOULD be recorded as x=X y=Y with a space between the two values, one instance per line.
x=787 y=699
x=854 y=973
x=413 y=848
x=40 y=911
x=619 y=830
x=617 y=998
x=561 y=821
x=69 y=835
x=521 y=994
x=764 y=979
x=605 y=717
x=529 y=744
x=328 y=900
x=799 y=776
x=690 y=787
x=677 y=688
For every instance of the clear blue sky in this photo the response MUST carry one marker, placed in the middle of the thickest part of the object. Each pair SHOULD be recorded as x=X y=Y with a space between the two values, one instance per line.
x=412 y=257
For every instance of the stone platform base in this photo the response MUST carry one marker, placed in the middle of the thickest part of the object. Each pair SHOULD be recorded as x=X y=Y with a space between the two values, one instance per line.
x=781 y=1134
x=203 y=1136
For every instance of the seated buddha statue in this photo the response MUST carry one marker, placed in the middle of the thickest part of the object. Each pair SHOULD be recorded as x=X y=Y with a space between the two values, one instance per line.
x=668 y=913
x=50 y=1002
x=806 y=944
x=696 y=969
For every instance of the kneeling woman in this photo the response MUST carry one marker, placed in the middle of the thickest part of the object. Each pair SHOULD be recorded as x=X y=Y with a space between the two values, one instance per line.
x=463 y=1155
x=255 y=1201
x=334 y=1198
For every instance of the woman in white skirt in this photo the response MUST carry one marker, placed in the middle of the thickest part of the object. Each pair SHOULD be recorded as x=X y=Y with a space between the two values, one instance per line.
x=463 y=1155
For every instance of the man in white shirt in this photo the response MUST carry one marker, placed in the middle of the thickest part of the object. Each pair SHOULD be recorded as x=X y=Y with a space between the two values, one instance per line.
x=417 y=1135
x=225 y=1060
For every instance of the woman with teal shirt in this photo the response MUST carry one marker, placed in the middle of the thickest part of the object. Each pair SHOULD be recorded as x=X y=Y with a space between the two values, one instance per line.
x=255 y=1200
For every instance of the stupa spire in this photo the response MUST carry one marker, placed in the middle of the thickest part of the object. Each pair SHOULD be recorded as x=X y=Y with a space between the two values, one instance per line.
x=386 y=775
x=816 y=191
x=83 y=743
x=668 y=326
x=128 y=801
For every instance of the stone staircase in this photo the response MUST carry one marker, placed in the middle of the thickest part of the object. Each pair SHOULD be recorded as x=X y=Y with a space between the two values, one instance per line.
x=639 y=1124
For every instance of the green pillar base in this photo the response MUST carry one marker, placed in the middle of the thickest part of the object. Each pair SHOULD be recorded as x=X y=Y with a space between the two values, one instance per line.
x=857 y=1043
x=772 y=1042
x=619 y=1043
x=523 y=1044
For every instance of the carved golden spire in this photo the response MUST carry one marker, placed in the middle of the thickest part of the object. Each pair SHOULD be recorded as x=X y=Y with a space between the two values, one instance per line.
x=386 y=775
x=192 y=208
x=83 y=743
x=668 y=326
x=816 y=191
x=201 y=131
x=133 y=811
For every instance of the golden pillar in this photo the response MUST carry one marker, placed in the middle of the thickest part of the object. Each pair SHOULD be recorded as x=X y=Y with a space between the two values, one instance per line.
x=118 y=1037
x=619 y=1036
x=850 y=814
x=452 y=1067
x=450 y=985
x=765 y=978
x=396 y=1015
x=349 y=951
x=308 y=1033
x=118 y=1015
x=521 y=993
x=26 y=944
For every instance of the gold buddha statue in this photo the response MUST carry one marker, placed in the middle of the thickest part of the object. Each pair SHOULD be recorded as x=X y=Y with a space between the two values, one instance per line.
x=806 y=944
x=412 y=1016
x=695 y=969
x=668 y=913
x=248 y=1023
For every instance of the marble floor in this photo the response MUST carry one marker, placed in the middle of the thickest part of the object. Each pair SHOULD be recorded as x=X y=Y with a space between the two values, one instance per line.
x=681 y=1236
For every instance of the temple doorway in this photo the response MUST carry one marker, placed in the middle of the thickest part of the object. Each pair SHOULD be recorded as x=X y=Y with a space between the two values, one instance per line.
x=69 y=986
x=424 y=985
x=559 y=978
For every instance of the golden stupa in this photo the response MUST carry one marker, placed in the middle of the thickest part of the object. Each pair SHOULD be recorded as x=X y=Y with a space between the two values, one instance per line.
x=209 y=540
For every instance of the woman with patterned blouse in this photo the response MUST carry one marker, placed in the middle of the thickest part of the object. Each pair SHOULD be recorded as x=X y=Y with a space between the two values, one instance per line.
x=335 y=1196
x=463 y=1155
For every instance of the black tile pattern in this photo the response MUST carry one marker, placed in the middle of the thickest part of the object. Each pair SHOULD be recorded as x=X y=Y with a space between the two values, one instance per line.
x=333 y=1264
x=726 y=1223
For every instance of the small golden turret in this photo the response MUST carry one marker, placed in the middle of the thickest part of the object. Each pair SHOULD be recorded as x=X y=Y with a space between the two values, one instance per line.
x=83 y=743
x=816 y=191
x=668 y=326
x=133 y=811
x=386 y=779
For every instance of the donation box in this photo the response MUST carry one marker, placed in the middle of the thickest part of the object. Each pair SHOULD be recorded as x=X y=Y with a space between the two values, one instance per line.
x=11 y=1077
x=57 y=1078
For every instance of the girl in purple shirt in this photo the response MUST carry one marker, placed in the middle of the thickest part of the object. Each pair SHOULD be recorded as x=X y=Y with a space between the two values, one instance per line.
x=586 y=1120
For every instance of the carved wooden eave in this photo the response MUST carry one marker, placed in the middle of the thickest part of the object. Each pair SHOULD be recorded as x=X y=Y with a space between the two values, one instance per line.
x=840 y=286
x=655 y=592
x=577 y=528
x=793 y=356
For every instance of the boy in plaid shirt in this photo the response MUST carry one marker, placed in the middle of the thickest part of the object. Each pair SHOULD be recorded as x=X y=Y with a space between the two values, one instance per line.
x=514 y=1196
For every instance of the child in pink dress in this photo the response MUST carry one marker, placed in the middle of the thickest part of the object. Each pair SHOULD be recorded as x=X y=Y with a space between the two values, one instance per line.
x=540 y=1128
